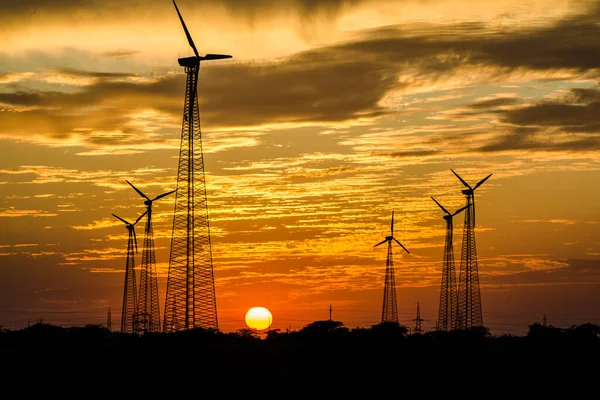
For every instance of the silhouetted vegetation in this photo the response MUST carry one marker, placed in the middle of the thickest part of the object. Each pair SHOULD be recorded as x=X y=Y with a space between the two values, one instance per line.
x=322 y=355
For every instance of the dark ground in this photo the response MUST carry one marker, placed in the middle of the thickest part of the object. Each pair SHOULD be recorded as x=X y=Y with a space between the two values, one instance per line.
x=324 y=359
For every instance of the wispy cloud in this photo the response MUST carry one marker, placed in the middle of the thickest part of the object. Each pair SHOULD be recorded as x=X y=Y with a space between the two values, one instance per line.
x=13 y=212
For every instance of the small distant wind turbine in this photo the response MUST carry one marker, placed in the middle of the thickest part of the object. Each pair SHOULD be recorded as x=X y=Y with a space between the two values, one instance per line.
x=131 y=227
x=148 y=314
x=468 y=311
x=129 y=290
x=389 y=311
x=448 y=289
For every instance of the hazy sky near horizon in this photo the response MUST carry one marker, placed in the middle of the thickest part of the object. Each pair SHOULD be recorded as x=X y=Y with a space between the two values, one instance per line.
x=330 y=115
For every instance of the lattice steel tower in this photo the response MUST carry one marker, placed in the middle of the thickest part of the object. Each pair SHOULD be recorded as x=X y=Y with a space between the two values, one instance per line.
x=109 y=320
x=447 y=311
x=389 y=312
x=129 y=288
x=147 y=318
x=190 y=300
x=418 y=321
x=468 y=307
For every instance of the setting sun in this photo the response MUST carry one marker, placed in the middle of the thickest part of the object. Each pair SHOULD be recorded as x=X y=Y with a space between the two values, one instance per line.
x=259 y=318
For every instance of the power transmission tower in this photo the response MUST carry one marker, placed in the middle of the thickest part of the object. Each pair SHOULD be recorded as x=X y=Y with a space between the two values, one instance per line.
x=129 y=312
x=468 y=308
x=190 y=298
x=448 y=289
x=109 y=321
x=389 y=312
x=545 y=323
x=418 y=326
x=330 y=309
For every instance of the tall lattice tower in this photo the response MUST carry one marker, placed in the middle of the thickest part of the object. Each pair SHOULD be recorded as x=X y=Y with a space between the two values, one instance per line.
x=468 y=307
x=190 y=299
x=129 y=310
x=446 y=320
x=389 y=312
x=147 y=318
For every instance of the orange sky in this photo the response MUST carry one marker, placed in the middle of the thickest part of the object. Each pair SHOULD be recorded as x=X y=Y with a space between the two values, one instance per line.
x=329 y=116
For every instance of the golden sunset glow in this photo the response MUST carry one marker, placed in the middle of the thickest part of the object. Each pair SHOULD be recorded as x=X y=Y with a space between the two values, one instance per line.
x=330 y=115
x=258 y=318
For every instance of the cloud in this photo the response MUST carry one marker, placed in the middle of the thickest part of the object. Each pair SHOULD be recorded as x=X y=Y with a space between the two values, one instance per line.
x=12 y=212
x=120 y=53
x=249 y=8
x=336 y=83
x=576 y=271
x=568 y=123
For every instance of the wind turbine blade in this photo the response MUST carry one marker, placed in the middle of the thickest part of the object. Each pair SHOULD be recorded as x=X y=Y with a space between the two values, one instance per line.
x=461 y=179
x=137 y=190
x=187 y=33
x=140 y=217
x=442 y=207
x=135 y=239
x=401 y=245
x=461 y=209
x=164 y=194
x=481 y=181
x=385 y=240
x=216 y=56
x=392 y=225
x=116 y=216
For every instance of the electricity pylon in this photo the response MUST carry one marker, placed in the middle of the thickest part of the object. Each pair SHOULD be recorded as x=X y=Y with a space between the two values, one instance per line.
x=129 y=288
x=448 y=290
x=468 y=309
x=190 y=299
x=389 y=312
x=418 y=326
x=148 y=313
x=109 y=320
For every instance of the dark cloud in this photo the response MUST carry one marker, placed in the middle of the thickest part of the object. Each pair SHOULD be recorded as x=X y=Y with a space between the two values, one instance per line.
x=494 y=103
x=120 y=53
x=293 y=91
x=577 y=271
x=415 y=153
x=90 y=74
x=534 y=126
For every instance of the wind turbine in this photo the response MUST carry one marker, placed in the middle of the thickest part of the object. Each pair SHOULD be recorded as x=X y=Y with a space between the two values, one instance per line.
x=448 y=290
x=190 y=295
x=469 y=191
x=469 y=313
x=148 y=314
x=129 y=290
x=389 y=312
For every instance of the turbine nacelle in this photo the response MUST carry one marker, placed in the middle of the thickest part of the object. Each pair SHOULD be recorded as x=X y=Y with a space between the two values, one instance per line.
x=194 y=61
